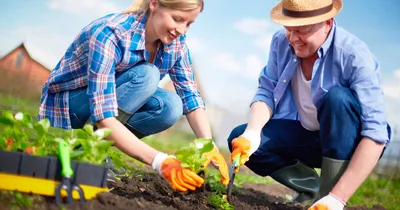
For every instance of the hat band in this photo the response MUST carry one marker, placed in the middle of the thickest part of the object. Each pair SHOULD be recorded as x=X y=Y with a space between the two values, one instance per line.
x=310 y=13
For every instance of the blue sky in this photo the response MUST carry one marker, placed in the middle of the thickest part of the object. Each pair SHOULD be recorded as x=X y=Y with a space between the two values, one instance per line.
x=229 y=40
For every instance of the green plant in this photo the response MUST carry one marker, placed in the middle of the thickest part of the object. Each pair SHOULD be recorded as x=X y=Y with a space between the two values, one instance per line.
x=88 y=145
x=219 y=201
x=20 y=133
x=191 y=156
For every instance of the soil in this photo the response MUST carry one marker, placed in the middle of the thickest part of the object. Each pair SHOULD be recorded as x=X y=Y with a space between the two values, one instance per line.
x=150 y=191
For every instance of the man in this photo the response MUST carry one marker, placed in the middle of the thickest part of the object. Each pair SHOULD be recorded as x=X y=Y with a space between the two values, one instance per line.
x=319 y=104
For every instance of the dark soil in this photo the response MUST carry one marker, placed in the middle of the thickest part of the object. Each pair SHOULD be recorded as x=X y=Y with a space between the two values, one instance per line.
x=150 y=191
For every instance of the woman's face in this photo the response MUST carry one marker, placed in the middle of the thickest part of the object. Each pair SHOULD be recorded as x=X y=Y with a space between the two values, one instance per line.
x=167 y=24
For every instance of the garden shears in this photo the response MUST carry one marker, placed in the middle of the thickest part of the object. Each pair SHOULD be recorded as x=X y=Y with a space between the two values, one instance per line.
x=66 y=172
x=235 y=165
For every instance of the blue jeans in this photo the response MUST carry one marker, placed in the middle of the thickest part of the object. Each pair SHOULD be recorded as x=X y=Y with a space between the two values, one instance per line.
x=143 y=108
x=283 y=141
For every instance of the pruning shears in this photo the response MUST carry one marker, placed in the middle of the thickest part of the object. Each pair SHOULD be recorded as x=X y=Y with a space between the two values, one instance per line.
x=235 y=165
x=66 y=172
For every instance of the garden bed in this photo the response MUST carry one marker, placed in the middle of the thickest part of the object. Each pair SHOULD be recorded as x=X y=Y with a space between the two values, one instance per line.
x=150 y=191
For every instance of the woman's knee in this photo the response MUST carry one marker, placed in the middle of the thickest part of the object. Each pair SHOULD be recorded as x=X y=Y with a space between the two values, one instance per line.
x=172 y=108
x=144 y=74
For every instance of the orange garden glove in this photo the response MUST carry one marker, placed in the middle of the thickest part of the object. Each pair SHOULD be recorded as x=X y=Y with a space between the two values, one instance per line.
x=179 y=178
x=218 y=160
x=245 y=145
x=329 y=202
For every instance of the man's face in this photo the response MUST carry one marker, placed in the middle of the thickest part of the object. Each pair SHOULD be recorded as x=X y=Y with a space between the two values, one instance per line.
x=169 y=24
x=306 y=40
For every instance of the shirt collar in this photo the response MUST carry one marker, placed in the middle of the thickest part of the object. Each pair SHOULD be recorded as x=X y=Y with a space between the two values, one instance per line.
x=328 y=42
x=138 y=37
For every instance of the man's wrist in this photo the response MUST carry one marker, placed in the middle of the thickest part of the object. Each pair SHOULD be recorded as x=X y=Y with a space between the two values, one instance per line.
x=254 y=138
x=337 y=198
x=158 y=160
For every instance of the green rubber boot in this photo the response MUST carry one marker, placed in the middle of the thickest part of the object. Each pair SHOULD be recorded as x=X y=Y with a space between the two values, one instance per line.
x=302 y=179
x=331 y=171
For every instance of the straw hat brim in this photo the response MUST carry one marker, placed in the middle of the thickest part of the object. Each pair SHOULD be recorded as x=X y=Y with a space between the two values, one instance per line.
x=278 y=17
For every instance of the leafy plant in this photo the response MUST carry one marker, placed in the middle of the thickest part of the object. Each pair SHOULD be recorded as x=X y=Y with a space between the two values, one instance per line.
x=219 y=201
x=20 y=133
x=88 y=145
x=192 y=157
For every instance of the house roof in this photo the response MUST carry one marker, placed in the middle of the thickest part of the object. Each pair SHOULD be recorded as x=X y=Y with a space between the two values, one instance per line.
x=22 y=47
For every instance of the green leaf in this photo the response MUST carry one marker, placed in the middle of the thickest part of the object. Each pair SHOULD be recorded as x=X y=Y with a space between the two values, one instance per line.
x=102 y=133
x=207 y=145
x=45 y=123
x=26 y=119
x=76 y=154
x=7 y=118
x=81 y=134
x=88 y=128
x=104 y=144
x=39 y=129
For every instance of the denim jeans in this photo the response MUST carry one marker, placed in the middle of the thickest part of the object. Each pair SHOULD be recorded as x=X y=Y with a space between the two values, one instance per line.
x=283 y=141
x=142 y=106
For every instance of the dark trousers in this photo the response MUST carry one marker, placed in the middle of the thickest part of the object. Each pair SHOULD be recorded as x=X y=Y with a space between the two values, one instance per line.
x=284 y=141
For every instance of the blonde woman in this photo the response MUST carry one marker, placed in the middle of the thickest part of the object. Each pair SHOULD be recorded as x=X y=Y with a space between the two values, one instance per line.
x=110 y=74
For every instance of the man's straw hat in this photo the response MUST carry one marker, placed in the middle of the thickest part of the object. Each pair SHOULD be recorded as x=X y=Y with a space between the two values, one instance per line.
x=305 y=12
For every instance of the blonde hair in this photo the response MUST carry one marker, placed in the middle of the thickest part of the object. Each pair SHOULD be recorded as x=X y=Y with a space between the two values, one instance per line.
x=139 y=6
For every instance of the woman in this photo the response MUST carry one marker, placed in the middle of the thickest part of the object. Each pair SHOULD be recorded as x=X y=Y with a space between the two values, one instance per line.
x=110 y=74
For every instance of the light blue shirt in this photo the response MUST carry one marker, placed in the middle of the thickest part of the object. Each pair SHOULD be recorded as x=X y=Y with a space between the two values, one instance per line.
x=343 y=60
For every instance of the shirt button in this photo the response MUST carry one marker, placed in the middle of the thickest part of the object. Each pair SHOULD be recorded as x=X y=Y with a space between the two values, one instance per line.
x=284 y=81
x=275 y=100
x=295 y=60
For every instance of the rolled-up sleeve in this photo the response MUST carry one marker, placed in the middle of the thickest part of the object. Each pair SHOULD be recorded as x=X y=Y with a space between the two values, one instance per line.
x=268 y=78
x=182 y=76
x=103 y=56
x=365 y=83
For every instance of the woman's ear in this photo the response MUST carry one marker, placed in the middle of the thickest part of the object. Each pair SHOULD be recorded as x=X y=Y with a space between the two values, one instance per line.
x=153 y=5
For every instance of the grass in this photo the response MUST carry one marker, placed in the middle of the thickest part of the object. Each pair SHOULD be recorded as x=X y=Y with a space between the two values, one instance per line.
x=375 y=191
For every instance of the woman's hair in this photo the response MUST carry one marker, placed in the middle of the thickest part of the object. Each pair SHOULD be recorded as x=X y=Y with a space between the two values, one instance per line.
x=139 y=6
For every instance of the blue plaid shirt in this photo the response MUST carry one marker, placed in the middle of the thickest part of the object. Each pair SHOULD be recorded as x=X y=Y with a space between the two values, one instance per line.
x=108 y=45
x=343 y=60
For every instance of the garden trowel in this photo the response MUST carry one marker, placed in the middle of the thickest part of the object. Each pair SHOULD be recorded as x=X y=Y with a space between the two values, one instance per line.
x=235 y=164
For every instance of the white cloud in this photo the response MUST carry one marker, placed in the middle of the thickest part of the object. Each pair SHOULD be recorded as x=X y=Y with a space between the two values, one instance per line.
x=391 y=87
x=43 y=44
x=253 y=65
x=87 y=8
x=249 y=66
x=259 y=29
x=225 y=61
x=195 y=44
x=252 y=26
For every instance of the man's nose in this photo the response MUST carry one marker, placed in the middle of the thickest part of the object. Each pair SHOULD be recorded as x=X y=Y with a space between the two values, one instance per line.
x=293 y=36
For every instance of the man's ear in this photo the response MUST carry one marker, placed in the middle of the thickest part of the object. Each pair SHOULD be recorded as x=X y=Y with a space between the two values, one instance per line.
x=153 y=5
x=329 y=24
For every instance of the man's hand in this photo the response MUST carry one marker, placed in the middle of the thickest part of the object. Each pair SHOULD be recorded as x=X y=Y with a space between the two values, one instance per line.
x=329 y=202
x=179 y=178
x=218 y=160
x=245 y=145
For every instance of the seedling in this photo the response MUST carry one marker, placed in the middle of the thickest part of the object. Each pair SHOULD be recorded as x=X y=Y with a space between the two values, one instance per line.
x=219 y=201
x=192 y=156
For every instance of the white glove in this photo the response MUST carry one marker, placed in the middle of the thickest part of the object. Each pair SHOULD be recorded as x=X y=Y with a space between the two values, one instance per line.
x=158 y=160
x=254 y=139
x=330 y=202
